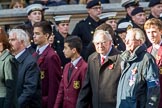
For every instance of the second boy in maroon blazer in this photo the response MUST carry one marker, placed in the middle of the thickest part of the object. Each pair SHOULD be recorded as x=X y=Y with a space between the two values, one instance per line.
x=73 y=75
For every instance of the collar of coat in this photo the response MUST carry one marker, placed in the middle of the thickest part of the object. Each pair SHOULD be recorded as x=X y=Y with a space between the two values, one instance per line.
x=112 y=55
x=126 y=54
x=4 y=54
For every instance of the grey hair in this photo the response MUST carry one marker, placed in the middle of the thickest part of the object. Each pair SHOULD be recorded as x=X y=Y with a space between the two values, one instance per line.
x=102 y=32
x=138 y=34
x=21 y=35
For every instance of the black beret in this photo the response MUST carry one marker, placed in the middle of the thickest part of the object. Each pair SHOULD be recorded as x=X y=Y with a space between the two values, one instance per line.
x=154 y=2
x=129 y=3
x=92 y=3
x=137 y=10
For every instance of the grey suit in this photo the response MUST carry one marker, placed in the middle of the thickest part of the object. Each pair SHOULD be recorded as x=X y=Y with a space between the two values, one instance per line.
x=28 y=88
x=8 y=79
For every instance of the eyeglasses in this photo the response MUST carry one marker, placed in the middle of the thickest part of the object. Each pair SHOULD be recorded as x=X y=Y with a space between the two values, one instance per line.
x=97 y=8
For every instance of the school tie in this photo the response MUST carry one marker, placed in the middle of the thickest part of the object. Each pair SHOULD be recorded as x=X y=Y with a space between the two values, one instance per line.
x=71 y=67
x=102 y=60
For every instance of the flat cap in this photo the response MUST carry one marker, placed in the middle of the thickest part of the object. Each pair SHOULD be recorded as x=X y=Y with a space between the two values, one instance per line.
x=137 y=10
x=92 y=3
x=127 y=3
x=62 y=19
x=34 y=7
x=154 y=2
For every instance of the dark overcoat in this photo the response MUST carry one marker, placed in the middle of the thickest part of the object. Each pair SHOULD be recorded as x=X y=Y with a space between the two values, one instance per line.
x=28 y=86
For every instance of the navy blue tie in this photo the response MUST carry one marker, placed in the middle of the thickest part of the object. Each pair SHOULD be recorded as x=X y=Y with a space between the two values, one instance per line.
x=71 y=67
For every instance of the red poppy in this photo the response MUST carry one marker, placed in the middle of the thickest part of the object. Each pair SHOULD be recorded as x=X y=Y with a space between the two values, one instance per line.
x=111 y=66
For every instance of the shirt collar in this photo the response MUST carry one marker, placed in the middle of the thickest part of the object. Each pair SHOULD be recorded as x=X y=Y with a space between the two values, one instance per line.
x=19 y=54
x=157 y=46
x=41 y=49
x=75 y=62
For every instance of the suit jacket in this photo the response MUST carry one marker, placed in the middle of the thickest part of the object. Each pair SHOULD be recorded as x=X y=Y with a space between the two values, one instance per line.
x=69 y=90
x=159 y=63
x=28 y=87
x=100 y=85
x=8 y=79
x=50 y=66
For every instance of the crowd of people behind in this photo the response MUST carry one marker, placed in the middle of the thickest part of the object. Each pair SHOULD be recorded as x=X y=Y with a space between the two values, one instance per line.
x=103 y=63
x=23 y=3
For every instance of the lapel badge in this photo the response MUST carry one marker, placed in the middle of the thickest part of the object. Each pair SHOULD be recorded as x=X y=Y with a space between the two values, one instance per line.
x=42 y=74
x=76 y=84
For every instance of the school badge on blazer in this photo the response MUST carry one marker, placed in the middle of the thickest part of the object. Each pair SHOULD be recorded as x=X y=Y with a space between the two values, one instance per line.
x=76 y=84
x=42 y=75
x=160 y=70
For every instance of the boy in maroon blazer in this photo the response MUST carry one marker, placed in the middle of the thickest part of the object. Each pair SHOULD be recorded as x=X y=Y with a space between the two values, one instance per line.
x=49 y=63
x=153 y=28
x=73 y=75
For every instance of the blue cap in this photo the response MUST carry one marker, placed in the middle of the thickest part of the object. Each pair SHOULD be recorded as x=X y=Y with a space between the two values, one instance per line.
x=137 y=10
x=154 y=2
x=92 y=3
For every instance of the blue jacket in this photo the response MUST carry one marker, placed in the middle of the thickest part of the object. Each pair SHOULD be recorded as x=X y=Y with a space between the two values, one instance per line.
x=28 y=86
x=139 y=83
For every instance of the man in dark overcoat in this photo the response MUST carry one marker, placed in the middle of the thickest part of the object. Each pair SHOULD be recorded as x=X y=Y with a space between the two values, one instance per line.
x=28 y=84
